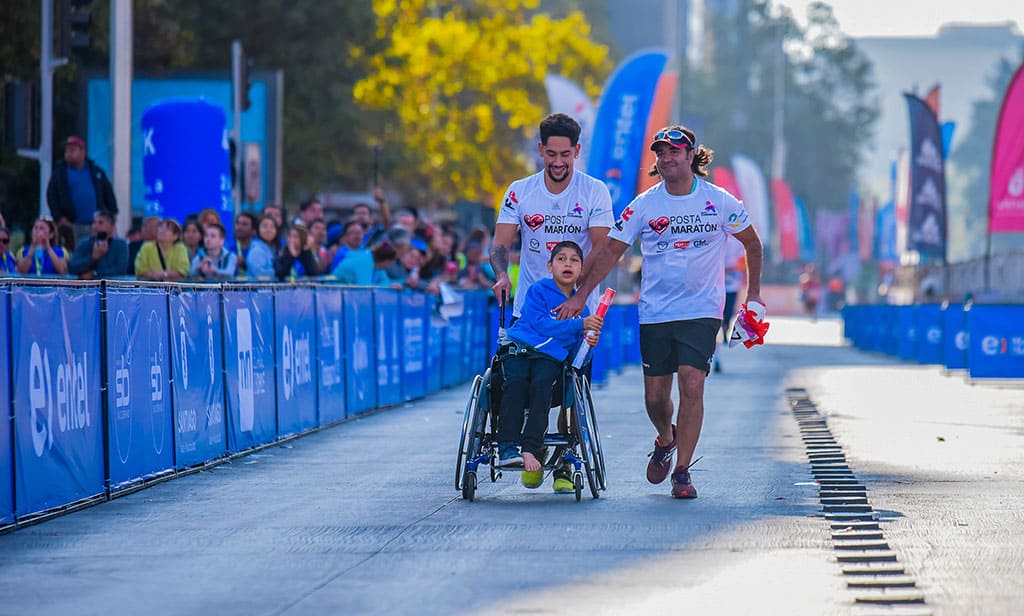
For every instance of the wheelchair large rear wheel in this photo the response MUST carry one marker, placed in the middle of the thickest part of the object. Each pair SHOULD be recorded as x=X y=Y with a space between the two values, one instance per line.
x=472 y=432
x=595 y=436
x=585 y=436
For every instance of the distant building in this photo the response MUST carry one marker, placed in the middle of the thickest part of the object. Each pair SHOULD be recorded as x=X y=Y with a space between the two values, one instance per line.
x=961 y=58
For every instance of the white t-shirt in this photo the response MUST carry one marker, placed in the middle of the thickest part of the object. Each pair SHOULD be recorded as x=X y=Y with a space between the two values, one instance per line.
x=682 y=242
x=544 y=219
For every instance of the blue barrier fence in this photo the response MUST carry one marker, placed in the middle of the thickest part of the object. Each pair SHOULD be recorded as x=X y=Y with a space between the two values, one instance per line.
x=987 y=340
x=112 y=385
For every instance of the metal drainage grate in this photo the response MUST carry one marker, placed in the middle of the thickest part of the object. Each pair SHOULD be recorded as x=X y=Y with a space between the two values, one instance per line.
x=871 y=568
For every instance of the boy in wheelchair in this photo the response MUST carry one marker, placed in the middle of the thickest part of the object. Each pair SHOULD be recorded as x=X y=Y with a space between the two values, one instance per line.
x=538 y=346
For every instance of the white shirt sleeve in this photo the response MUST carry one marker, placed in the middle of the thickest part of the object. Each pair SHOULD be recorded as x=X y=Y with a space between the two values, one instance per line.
x=509 y=212
x=629 y=224
x=735 y=215
x=600 y=214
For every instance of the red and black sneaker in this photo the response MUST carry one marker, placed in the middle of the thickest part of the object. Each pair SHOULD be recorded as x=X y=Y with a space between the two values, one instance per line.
x=682 y=487
x=661 y=459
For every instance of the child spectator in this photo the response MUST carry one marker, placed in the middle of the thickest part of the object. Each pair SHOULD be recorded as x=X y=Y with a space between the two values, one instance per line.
x=213 y=261
x=260 y=262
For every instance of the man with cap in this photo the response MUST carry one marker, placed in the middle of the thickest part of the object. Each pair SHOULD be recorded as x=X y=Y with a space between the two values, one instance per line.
x=78 y=189
x=682 y=223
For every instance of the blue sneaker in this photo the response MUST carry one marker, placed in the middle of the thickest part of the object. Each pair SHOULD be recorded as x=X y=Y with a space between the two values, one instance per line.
x=508 y=455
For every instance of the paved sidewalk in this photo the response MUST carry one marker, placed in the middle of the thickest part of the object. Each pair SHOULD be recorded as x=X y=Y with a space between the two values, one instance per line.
x=363 y=518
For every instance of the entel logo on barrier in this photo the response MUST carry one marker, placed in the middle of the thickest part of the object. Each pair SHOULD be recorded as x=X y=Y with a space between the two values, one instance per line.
x=934 y=335
x=66 y=393
x=994 y=345
x=296 y=362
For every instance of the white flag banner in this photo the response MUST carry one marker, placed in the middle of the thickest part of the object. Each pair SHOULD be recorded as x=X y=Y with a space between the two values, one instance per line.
x=567 y=97
x=755 y=196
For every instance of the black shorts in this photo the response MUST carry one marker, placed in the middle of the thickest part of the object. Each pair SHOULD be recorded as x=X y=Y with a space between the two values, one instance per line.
x=666 y=346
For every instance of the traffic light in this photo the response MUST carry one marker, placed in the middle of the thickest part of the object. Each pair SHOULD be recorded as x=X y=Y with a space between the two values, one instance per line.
x=73 y=19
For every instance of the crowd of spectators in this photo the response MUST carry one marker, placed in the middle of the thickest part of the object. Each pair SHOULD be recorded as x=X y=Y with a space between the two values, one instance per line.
x=373 y=246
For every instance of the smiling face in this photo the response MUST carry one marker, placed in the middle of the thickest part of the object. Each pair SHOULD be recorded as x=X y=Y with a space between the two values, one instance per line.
x=565 y=265
x=268 y=231
x=674 y=164
x=559 y=156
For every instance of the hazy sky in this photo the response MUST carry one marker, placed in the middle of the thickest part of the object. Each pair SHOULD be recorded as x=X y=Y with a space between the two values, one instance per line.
x=860 y=18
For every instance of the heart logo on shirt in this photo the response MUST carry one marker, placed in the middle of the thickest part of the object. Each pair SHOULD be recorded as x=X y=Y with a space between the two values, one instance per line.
x=659 y=224
x=534 y=221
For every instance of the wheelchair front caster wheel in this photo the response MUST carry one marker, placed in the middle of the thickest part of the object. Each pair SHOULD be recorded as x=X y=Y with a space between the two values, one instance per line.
x=469 y=486
x=577 y=483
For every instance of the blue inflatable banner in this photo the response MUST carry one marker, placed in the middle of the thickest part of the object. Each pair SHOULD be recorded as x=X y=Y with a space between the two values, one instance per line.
x=906 y=332
x=198 y=373
x=436 y=334
x=329 y=355
x=186 y=160
x=996 y=348
x=6 y=454
x=414 y=319
x=249 y=367
x=618 y=136
x=360 y=375
x=389 y=355
x=139 y=411
x=954 y=337
x=296 y=378
x=58 y=412
x=929 y=334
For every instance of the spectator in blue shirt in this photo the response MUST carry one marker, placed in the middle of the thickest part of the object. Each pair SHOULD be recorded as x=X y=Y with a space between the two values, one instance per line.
x=44 y=256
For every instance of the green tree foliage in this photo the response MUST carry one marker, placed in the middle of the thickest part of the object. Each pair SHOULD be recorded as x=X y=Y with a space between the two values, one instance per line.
x=463 y=84
x=829 y=100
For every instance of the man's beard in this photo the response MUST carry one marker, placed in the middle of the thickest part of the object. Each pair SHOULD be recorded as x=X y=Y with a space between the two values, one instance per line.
x=564 y=177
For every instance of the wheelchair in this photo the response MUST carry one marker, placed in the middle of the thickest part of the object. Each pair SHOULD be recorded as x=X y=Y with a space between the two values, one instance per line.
x=580 y=445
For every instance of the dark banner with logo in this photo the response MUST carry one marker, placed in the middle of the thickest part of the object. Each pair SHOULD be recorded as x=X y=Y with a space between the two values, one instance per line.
x=6 y=456
x=58 y=410
x=926 y=224
x=197 y=355
x=249 y=359
x=139 y=421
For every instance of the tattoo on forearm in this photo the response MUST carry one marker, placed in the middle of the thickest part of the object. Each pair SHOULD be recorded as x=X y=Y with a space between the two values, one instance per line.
x=499 y=259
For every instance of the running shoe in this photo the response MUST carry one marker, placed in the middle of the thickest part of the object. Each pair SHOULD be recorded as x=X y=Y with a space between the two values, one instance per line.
x=563 y=482
x=661 y=459
x=682 y=487
x=532 y=479
x=508 y=455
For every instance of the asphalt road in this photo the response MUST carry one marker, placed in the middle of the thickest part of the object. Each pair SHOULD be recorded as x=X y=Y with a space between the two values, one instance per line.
x=363 y=518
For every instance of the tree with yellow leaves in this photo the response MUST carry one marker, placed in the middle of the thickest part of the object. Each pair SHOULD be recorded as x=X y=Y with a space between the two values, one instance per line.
x=464 y=80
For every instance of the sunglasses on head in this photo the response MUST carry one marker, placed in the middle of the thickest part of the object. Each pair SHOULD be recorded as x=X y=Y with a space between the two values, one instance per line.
x=674 y=135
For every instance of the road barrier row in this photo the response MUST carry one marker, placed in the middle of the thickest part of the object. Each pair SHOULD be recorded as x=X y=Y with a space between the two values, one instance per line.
x=987 y=340
x=113 y=386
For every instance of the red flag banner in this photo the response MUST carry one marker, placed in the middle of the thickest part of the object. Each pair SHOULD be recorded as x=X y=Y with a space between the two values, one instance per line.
x=785 y=218
x=1006 y=187
x=724 y=178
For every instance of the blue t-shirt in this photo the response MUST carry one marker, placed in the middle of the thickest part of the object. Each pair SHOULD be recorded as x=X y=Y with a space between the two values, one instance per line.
x=41 y=263
x=83 y=193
